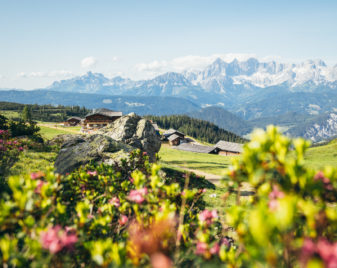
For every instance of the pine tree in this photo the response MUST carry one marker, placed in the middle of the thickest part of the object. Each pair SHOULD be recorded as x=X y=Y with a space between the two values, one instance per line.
x=26 y=114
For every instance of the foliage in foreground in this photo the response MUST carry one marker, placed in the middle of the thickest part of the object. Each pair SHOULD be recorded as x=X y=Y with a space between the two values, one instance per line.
x=292 y=218
x=126 y=215
x=131 y=215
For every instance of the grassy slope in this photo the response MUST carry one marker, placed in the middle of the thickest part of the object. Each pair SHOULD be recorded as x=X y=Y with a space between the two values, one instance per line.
x=31 y=161
x=214 y=164
x=318 y=157
x=48 y=131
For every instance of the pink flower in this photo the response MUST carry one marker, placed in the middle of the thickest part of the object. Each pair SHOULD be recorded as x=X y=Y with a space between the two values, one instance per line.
x=326 y=181
x=273 y=196
x=115 y=201
x=159 y=260
x=123 y=220
x=326 y=250
x=137 y=195
x=276 y=193
x=144 y=153
x=37 y=175
x=39 y=185
x=215 y=249
x=55 y=239
x=208 y=216
x=92 y=173
x=201 y=248
x=131 y=179
x=20 y=149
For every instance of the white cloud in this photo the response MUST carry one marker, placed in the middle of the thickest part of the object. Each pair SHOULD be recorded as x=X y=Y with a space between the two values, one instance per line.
x=190 y=62
x=52 y=74
x=107 y=101
x=88 y=62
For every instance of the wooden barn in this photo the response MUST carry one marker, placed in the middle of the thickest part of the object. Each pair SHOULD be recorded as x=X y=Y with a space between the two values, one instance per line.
x=174 y=140
x=73 y=121
x=171 y=132
x=228 y=148
x=101 y=118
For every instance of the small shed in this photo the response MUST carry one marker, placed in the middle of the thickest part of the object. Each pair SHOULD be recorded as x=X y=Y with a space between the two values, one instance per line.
x=171 y=132
x=73 y=121
x=228 y=148
x=174 y=140
x=101 y=117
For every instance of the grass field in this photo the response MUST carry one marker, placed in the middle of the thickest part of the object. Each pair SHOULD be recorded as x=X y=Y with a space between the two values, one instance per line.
x=10 y=114
x=209 y=163
x=31 y=161
x=318 y=157
x=48 y=131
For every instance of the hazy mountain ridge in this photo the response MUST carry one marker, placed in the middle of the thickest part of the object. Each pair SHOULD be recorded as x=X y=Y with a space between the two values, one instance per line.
x=139 y=104
x=238 y=86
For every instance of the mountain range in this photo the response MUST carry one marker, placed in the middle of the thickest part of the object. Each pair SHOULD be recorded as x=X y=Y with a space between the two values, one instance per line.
x=237 y=95
x=250 y=88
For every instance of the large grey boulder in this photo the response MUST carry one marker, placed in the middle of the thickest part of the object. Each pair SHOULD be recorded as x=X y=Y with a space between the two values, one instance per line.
x=78 y=150
x=135 y=131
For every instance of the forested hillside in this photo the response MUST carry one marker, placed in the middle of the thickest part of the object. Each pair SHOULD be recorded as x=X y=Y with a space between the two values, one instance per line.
x=223 y=119
x=47 y=113
x=196 y=128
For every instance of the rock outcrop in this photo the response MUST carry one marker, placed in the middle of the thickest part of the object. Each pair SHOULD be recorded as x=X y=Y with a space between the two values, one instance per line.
x=135 y=131
x=109 y=145
x=78 y=150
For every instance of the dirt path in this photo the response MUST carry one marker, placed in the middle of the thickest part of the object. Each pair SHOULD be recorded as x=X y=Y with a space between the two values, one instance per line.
x=210 y=177
x=246 y=189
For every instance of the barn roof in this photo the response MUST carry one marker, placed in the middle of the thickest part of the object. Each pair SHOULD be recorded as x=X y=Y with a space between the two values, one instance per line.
x=194 y=148
x=105 y=112
x=75 y=117
x=173 y=131
x=229 y=146
x=173 y=137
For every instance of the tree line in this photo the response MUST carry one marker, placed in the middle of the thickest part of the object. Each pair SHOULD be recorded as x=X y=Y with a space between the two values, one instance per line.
x=47 y=113
x=196 y=128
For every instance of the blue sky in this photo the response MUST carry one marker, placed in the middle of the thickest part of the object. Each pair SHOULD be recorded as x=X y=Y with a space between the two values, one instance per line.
x=43 y=41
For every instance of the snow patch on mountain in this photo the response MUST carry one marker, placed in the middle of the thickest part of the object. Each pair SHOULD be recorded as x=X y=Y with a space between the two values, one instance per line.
x=322 y=131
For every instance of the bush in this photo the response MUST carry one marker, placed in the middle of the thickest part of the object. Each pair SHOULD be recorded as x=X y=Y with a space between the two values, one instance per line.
x=129 y=214
x=293 y=213
x=9 y=152
x=122 y=215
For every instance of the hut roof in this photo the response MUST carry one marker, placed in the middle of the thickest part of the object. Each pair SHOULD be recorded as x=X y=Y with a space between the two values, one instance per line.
x=229 y=146
x=75 y=117
x=194 y=148
x=173 y=137
x=105 y=112
x=172 y=131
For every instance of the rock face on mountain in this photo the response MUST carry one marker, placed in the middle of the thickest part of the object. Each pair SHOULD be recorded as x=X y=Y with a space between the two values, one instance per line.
x=78 y=150
x=135 y=131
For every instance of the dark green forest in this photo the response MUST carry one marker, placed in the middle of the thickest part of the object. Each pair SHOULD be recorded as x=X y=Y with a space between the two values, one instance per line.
x=46 y=113
x=196 y=128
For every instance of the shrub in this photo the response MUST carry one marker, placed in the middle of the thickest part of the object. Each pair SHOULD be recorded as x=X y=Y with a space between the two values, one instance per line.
x=122 y=215
x=9 y=152
x=293 y=211
x=130 y=214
